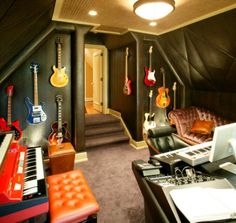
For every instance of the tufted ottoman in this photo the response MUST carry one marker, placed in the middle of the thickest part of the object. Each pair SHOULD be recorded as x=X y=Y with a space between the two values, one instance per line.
x=70 y=198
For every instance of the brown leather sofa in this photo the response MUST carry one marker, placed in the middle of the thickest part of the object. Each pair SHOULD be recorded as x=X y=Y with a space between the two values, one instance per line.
x=189 y=120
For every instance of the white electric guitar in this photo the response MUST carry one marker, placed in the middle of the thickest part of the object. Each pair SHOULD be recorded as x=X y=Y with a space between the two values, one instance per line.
x=149 y=122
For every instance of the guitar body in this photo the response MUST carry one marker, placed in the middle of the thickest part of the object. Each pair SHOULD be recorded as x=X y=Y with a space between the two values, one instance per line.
x=149 y=122
x=15 y=126
x=56 y=137
x=36 y=114
x=163 y=99
x=127 y=87
x=59 y=78
x=149 y=78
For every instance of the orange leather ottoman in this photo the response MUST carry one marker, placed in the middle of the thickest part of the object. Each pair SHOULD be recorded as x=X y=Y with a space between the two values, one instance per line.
x=70 y=198
x=61 y=157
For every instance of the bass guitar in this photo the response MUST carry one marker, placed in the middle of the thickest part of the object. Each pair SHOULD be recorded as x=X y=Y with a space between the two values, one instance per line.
x=35 y=111
x=127 y=86
x=59 y=78
x=163 y=99
x=59 y=133
x=150 y=79
x=149 y=122
x=9 y=125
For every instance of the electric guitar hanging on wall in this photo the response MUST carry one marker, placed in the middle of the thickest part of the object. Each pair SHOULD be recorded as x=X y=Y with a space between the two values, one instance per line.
x=9 y=125
x=127 y=86
x=163 y=99
x=59 y=133
x=149 y=122
x=35 y=111
x=150 y=79
x=174 y=90
x=59 y=78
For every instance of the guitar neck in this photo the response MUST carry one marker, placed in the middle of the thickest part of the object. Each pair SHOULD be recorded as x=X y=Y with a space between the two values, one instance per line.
x=36 y=101
x=59 y=117
x=9 y=111
x=59 y=56
x=150 y=101
x=150 y=61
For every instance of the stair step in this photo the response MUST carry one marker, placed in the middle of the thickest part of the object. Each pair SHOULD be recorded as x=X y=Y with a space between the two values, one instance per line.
x=109 y=128
x=106 y=139
x=98 y=119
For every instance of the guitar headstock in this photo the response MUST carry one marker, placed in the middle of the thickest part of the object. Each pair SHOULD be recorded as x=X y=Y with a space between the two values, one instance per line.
x=127 y=51
x=174 y=86
x=10 y=90
x=59 y=40
x=150 y=49
x=59 y=98
x=162 y=70
x=34 y=67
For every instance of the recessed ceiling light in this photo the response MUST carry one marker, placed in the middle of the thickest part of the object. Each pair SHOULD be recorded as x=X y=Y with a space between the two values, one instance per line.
x=152 y=23
x=92 y=13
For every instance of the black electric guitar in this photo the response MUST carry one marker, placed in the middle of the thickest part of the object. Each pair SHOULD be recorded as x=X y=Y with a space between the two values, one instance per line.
x=59 y=133
x=35 y=111
x=149 y=122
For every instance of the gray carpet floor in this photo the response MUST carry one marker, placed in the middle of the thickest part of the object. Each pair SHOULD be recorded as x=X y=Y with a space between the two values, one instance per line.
x=109 y=175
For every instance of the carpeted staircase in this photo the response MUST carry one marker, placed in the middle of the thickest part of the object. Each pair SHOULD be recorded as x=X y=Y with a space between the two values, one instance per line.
x=102 y=129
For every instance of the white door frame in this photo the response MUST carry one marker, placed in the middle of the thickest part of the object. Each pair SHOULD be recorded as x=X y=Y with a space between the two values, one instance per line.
x=105 y=74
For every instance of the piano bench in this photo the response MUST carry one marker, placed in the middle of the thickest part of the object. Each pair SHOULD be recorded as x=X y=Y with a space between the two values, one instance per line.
x=70 y=198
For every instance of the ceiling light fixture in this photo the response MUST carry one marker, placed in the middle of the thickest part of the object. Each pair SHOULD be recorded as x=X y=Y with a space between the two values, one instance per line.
x=92 y=13
x=153 y=9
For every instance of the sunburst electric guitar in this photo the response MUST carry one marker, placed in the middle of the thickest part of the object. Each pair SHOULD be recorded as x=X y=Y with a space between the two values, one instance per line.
x=9 y=125
x=163 y=99
x=59 y=78
x=35 y=111
x=149 y=122
x=127 y=86
x=59 y=133
x=150 y=79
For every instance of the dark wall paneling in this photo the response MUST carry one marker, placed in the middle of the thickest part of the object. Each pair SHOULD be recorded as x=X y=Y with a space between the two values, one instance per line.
x=124 y=104
x=22 y=79
x=203 y=54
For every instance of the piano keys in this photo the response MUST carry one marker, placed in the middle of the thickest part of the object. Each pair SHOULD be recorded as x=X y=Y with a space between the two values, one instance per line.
x=34 y=200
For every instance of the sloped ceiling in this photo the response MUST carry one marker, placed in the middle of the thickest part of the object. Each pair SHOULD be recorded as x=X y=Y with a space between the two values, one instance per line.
x=20 y=22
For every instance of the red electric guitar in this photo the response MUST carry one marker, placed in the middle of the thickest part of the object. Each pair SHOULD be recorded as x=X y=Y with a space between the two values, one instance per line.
x=127 y=86
x=150 y=79
x=9 y=125
x=59 y=134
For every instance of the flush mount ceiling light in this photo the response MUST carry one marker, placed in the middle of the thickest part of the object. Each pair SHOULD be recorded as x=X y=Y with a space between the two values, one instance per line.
x=153 y=9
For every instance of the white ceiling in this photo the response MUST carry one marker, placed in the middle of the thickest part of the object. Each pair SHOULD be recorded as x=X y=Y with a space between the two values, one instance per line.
x=117 y=16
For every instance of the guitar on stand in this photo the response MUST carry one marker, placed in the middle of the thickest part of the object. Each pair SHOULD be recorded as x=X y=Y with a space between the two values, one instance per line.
x=127 y=86
x=149 y=122
x=59 y=78
x=59 y=134
x=35 y=111
x=163 y=99
x=8 y=125
x=149 y=78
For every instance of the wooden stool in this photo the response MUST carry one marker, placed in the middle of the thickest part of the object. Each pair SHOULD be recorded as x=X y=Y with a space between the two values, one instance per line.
x=70 y=198
x=61 y=157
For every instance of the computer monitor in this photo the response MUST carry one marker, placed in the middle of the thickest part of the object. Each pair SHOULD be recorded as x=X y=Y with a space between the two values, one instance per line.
x=224 y=142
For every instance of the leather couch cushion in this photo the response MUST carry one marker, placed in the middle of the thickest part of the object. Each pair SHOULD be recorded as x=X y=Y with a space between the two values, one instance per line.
x=202 y=127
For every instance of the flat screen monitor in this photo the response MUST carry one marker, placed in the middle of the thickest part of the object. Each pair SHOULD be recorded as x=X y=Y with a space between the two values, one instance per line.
x=224 y=142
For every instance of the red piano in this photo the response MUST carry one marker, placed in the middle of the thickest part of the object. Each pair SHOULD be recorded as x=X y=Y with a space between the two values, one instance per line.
x=23 y=193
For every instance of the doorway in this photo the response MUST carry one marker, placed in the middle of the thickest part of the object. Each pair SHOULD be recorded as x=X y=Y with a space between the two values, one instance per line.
x=96 y=80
